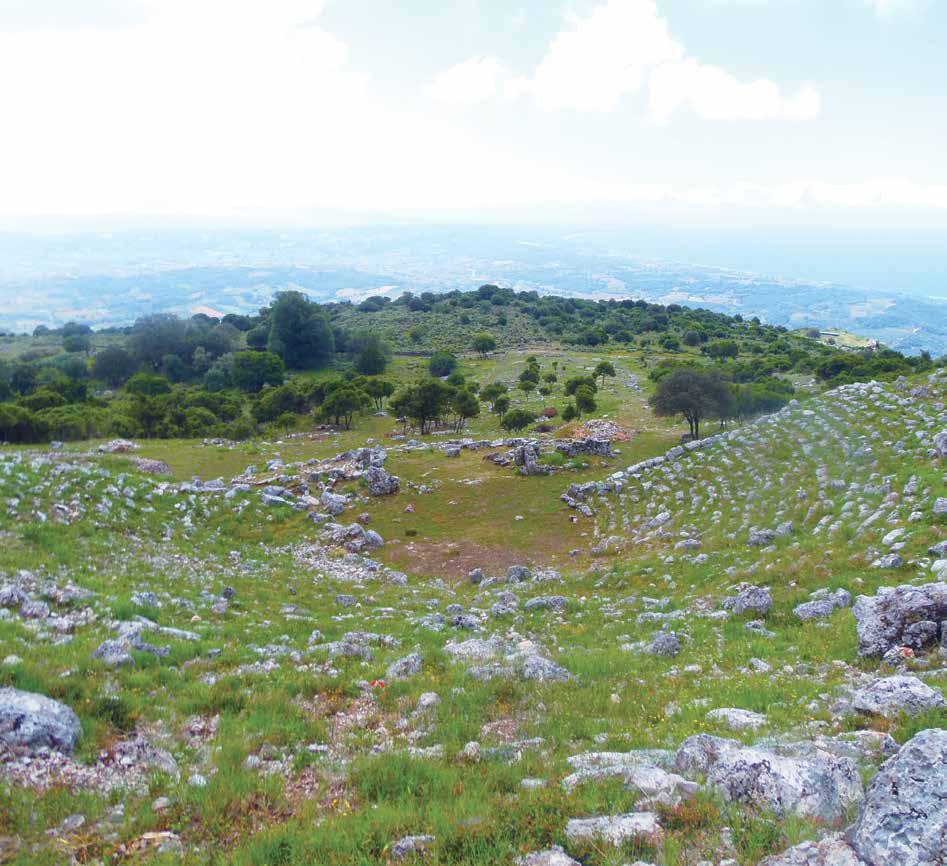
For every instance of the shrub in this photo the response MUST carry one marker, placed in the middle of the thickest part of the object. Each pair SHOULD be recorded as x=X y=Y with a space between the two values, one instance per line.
x=722 y=349
x=113 y=366
x=200 y=421
x=74 y=422
x=147 y=385
x=76 y=343
x=43 y=398
x=278 y=401
x=484 y=343
x=368 y=352
x=517 y=419
x=442 y=364
x=250 y=371
x=18 y=425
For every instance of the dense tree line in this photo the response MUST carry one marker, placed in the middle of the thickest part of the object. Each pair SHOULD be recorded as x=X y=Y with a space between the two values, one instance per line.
x=228 y=376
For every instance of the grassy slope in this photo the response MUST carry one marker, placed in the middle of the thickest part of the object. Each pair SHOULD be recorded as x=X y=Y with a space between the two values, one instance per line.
x=357 y=801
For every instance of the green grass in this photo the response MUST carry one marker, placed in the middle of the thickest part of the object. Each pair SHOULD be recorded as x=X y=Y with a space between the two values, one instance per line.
x=347 y=806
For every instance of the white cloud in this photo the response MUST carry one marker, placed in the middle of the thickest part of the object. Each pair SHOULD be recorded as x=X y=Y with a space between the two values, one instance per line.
x=224 y=107
x=218 y=107
x=469 y=82
x=882 y=7
x=596 y=61
x=621 y=47
x=715 y=94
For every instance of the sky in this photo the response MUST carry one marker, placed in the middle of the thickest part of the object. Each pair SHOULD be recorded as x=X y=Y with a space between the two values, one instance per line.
x=223 y=108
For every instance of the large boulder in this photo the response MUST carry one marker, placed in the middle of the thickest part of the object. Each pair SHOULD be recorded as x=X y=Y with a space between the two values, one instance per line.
x=30 y=721
x=819 y=785
x=823 y=606
x=405 y=667
x=737 y=719
x=665 y=644
x=891 y=696
x=526 y=457
x=656 y=786
x=379 y=482
x=904 y=820
x=883 y=620
x=940 y=443
x=750 y=599
x=554 y=856
x=616 y=829
x=334 y=503
x=118 y=446
x=831 y=851
x=410 y=846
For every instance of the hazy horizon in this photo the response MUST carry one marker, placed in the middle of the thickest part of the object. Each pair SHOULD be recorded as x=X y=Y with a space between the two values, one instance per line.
x=712 y=108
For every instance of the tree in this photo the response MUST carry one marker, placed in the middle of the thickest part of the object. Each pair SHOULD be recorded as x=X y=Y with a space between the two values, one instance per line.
x=76 y=343
x=75 y=329
x=379 y=390
x=526 y=385
x=341 y=404
x=241 y=323
x=368 y=352
x=423 y=403
x=278 y=401
x=576 y=382
x=442 y=364
x=691 y=338
x=490 y=393
x=299 y=332
x=23 y=378
x=250 y=371
x=570 y=413
x=258 y=337
x=153 y=337
x=603 y=369
x=722 y=349
x=483 y=343
x=584 y=400
x=201 y=360
x=174 y=368
x=695 y=394
x=465 y=405
x=113 y=365
x=517 y=419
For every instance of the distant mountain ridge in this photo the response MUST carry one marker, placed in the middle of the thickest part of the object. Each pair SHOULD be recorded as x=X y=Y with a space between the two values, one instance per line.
x=111 y=280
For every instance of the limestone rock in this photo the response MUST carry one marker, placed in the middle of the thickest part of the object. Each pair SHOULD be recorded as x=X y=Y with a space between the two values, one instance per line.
x=32 y=721
x=904 y=820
